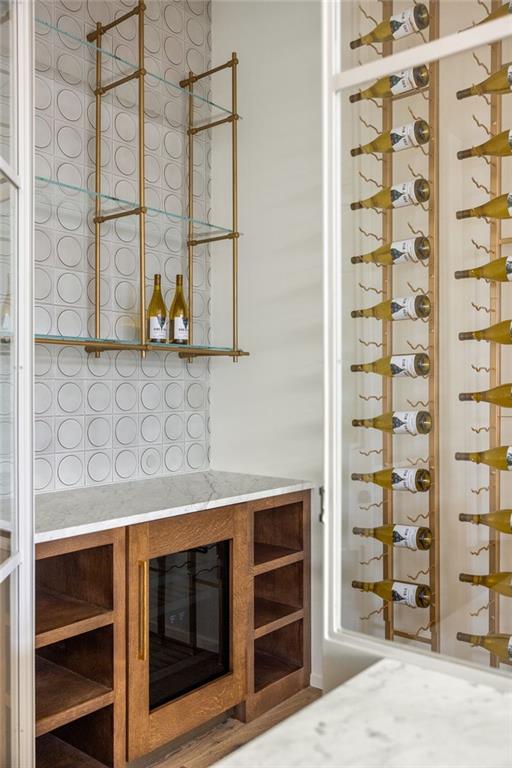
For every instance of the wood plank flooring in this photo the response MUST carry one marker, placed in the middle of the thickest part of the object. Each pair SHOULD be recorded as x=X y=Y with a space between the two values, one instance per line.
x=228 y=736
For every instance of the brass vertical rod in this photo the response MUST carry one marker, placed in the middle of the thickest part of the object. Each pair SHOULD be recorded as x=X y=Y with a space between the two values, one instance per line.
x=387 y=337
x=142 y=196
x=495 y=352
x=97 y=181
x=190 y=247
x=234 y=192
x=433 y=332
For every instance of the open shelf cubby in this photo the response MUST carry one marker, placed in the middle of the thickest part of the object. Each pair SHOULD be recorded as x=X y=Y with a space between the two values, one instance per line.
x=277 y=655
x=278 y=598
x=84 y=743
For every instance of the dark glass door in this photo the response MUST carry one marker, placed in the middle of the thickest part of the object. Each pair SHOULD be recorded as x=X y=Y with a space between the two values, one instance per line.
x=189 y=620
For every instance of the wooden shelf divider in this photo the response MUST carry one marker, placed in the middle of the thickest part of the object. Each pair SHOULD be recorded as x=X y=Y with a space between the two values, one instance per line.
x=268 y=557
x=269 y=669
x=270 y=615
x=60 y=616
x=52 y=752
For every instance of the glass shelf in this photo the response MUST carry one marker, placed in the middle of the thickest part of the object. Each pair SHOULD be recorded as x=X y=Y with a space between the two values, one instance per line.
x=192 y=350
x=125 y=67
x=57 y=197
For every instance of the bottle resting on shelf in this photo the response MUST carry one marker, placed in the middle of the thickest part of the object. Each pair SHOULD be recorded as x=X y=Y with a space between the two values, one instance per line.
x=396 y=535
x=500 y=395
x=498 y=458
x=496 y=146
x=157 y=314
x=399 y=422
x=398 y=252
x=503 y=10
x=498 y=82
x=497 y=208
x=499 y=644
x=500 y=333
x=178 y=315
x=403 y=308
x=404 y=592
x=397 y=139
x=498 y=521
x=398 y=196
x=397 y=366
x=499 y=270
x=397 y=479
x=496 y=582
x=405 y=81
x=397 y=26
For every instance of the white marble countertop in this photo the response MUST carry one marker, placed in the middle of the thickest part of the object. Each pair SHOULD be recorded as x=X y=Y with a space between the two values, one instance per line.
x=392 y=715
x=61 y=514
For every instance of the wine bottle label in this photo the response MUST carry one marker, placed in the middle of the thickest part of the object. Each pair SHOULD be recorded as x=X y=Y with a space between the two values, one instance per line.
x=402 y=365
x=404 y=593
x=403 y=308
x=509 y=646
x=158 y=327
x=403 y=194
x=508 y=458
x=180 y=327
x=403 y=24
x=510 y=135
x=509 y=203
x=508 y=268
x=403 y=250
x=403 y=479
x=402 y=82
x=509 y=76
x=405 y=423
x=403 y=137
x=405 y=536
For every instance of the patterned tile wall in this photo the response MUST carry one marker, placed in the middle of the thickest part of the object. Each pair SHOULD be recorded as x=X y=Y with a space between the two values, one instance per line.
x=117 y=417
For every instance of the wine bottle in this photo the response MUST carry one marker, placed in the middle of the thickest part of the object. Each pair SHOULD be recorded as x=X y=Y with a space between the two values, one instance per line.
x=397 y=196
x=503 y=10
x=499 y=458
x=501 y=395
x=403 y=308
x=497 y=208
x=399 y=25
x=499 y=270
x=397 y=366
x=410 y=536
x=405 y=592
x=498 y=82
x=399 y=422
x=497 y=582
x=405 y=81
x=397 y=479
x=178 y=315
x=397 y=252
x=5 y=315
x=498 y=521
x=496 y=146
x=500 y=645
x=157 y=314
x=500 y=333
x=399 y=138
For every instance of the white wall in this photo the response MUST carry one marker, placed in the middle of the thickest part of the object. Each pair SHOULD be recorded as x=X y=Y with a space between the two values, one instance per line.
x=267 y=412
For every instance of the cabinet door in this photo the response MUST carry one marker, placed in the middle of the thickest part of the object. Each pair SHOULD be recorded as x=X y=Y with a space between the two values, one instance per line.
x=187 y=623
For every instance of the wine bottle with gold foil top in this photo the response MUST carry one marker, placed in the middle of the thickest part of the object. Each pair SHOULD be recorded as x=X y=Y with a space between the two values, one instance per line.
x=397 y=366
x=497 y=582
x=498 y=521
x=499 y=13
x=498 y=644
x=398 y=196
x=500 y=333
x=397 y=26
x=397 y=479
x=399 y=422
x=405 y=81
x=397 y=139
x=500 y=395
x=404 y=592
x=497 y=208
x=157 y=314
x=398 y=252
x=178 y=315
x=396 y=535
x=499 y=458
x=498 y=82
x=403 y=308
x=498 y=270
x=496 y=146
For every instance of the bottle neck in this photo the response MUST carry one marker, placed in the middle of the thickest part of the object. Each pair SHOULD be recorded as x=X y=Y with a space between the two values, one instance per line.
x=365 y=478
x=471 y=639
x=365 y=586
x=465 y=518
x=467 y=213
x=464 y=153
x=362 y=422
x=462 y=273
x=366 y=532
x=476 y=457
x=470 y=578
x=476 y=396
x=370 y=312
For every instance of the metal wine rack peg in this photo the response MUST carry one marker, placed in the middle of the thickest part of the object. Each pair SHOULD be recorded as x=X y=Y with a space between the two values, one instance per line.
x=368 y=288
x=481 y=64
x=371 y=234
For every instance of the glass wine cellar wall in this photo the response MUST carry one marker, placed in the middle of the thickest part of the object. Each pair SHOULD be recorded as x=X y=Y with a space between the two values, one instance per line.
x=424 y=511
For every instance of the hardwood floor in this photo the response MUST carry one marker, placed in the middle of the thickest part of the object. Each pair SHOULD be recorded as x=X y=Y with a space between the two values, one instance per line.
x=228 y=736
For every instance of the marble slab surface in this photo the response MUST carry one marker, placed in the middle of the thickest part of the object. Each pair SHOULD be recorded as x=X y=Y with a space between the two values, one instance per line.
x=61 y=514
x=392 y=715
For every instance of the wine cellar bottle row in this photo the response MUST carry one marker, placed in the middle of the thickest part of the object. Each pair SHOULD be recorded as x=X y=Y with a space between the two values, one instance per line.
x=399 y=25
x=399 y=252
